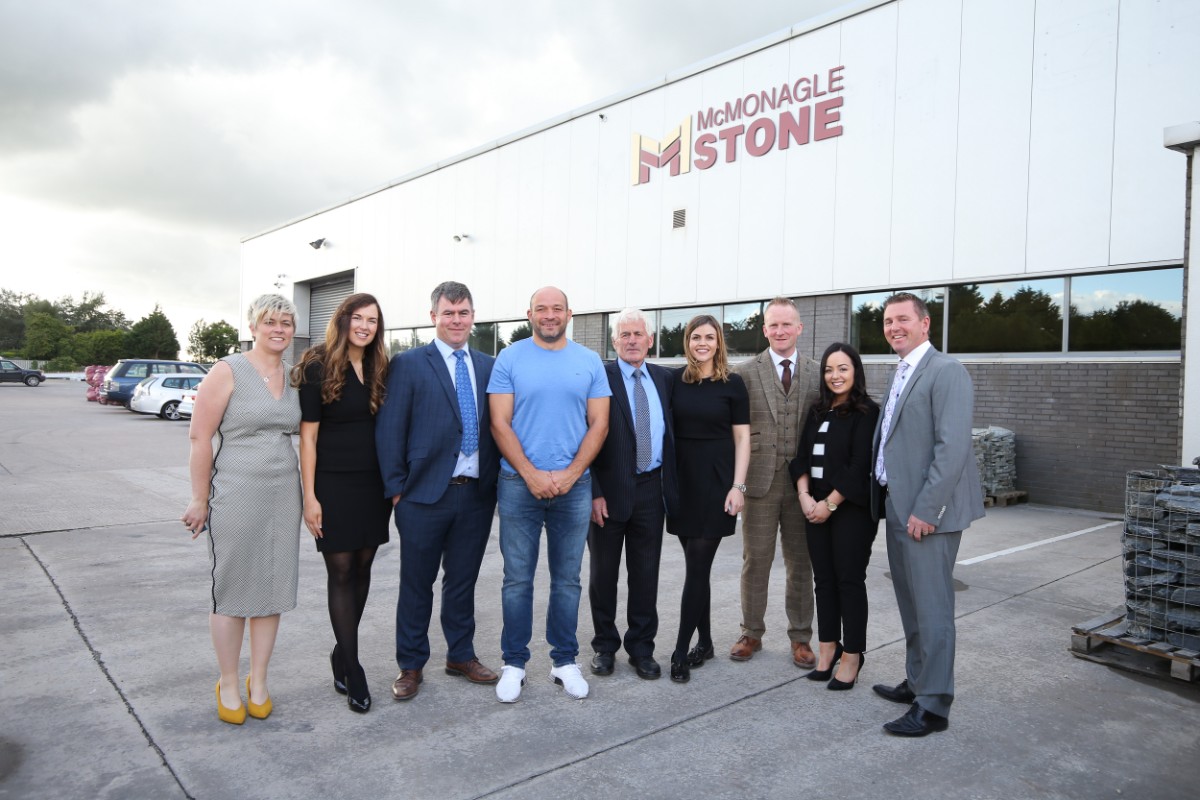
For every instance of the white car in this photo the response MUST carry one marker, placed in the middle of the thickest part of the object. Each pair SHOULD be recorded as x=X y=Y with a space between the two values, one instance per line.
x=162 y=394
x=187 y=404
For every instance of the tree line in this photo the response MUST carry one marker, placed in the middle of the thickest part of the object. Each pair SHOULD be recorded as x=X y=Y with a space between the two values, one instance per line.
x=66 y=334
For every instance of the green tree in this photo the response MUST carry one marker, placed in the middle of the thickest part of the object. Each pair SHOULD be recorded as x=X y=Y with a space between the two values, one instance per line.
x=153 y=336
x=46 y=336
x=100 y=347
x=209 y=342
x=12 y=319
x=90 y=315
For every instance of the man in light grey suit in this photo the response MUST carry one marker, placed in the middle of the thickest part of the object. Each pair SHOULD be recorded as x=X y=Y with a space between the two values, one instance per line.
x=930 y=487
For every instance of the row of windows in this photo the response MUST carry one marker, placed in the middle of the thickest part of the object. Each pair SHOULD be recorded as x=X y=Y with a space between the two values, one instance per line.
x=1111 y=312
x=1114 y=312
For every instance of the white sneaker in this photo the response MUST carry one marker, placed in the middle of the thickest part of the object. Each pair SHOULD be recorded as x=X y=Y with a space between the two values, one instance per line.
x=571 y=679
x=508 y=690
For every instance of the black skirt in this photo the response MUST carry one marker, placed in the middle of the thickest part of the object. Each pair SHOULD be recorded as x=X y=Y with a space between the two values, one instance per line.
x=354 y=512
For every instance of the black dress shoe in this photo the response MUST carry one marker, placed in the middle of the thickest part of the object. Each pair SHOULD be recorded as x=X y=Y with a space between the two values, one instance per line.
x=646 y=667
x=602 y=664
x=897 y=694
x=679 y=670
x=699 y=654
x=826 y=674
x=917 y=722
x=358 y=694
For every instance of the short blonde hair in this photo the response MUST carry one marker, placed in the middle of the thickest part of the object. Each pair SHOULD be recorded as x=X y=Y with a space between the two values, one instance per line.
x=265 y=305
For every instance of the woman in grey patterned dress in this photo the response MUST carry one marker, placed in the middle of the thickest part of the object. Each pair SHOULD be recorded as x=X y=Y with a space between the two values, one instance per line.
x=246 y=495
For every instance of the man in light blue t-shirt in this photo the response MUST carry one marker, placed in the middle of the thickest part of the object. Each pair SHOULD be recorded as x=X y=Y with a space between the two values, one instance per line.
x=548 y=398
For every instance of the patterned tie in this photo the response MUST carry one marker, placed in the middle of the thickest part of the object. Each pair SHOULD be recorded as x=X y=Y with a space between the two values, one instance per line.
x=886 y=427
x=787 y=375
x=641 y=421
x=466 y=404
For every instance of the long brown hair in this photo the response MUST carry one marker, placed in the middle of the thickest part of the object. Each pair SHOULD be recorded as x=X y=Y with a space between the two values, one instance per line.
x=720 y=361
x=334 y=355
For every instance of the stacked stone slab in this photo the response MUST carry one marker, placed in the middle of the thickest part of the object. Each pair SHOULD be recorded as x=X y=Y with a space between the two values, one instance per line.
x=996 y=458
x=1161 y=543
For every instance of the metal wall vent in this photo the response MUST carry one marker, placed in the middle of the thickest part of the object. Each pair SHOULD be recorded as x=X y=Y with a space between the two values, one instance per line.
x=679 y=218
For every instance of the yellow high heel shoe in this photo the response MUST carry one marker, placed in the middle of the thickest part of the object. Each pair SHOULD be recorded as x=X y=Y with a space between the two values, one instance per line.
x=257 y=710
x=234 y=716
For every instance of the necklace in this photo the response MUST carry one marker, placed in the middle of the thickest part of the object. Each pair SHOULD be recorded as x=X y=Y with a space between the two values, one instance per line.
x=267 y=377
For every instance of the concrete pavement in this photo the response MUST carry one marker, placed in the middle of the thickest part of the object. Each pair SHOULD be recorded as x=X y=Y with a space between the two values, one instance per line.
x=107 y=674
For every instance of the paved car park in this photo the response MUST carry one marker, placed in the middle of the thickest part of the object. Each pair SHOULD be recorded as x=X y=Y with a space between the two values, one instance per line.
x=106 y=672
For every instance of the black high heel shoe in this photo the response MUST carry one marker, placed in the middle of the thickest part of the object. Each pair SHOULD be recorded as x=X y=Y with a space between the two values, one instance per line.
x=826 y=674
x=679 y=670
x=841 y=686
x=339 y=677
x=699 y=654
x=358 y=695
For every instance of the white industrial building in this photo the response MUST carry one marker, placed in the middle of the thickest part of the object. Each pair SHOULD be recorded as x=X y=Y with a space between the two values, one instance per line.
x=1005 y=158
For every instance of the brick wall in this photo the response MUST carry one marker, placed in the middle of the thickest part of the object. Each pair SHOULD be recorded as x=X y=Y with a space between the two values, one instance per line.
x=1079 y=427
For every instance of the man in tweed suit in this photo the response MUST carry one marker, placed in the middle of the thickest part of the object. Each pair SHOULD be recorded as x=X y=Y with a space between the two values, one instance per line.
x=783 y=385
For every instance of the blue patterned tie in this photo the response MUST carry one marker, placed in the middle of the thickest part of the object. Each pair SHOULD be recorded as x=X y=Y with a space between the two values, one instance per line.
x=466 y=404
x=641 y=421
x=886 y=427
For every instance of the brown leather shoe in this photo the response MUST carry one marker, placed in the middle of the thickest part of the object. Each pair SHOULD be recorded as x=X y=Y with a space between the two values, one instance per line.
x=407 y=684
x=803 y=655
x=473 y=671
x=745 y=648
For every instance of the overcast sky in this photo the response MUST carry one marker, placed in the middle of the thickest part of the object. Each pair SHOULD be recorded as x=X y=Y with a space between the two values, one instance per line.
x=141 y=140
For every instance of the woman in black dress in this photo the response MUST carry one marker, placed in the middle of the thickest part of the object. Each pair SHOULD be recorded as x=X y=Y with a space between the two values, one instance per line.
x=342 y=385
x=832 y=470
x=711 y=411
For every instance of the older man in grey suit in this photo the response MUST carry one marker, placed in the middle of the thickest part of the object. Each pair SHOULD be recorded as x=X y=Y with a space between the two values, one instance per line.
x=925 y=468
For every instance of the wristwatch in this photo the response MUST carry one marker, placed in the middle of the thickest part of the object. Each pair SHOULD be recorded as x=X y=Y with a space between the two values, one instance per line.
x=832 y=506
x=741 y=487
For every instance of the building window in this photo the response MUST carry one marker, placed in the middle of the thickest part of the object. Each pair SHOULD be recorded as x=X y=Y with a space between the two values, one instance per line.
x=1010 y=317
x=743 y=326
x=671 y=325
x=610 y=352
x=1111 y=312
x=483 y=338
x=401 y=339
x=866 y=324
x=509 y=332
x=1127 y=311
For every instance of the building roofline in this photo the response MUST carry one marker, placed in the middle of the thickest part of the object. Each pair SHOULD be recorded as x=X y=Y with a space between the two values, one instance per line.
x=830 y=17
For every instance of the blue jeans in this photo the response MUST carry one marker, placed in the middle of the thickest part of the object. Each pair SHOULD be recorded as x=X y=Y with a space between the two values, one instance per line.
x=566 y=520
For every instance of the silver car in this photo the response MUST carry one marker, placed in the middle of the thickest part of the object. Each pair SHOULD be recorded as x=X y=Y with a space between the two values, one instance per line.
x=161 y=394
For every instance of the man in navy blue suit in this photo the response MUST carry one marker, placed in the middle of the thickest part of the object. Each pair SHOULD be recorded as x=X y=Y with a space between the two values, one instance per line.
x=439 y=464
x=633 y=485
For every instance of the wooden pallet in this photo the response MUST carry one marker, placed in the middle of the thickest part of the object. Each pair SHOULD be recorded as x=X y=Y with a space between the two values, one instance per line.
x=1001 y=499
x=1106 y=640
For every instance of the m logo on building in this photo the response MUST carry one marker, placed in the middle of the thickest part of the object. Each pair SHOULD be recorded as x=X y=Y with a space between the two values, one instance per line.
x=674 y=152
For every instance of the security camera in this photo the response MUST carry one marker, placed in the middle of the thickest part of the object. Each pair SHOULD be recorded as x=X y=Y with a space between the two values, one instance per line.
x=317 y=244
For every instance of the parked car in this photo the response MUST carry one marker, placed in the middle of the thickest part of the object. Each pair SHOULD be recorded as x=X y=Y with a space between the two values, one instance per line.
x=161 y=394
x=187 y=404
x=11 y=373
x=121 y=379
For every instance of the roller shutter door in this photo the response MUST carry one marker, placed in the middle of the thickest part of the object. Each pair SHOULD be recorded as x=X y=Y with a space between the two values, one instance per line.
x=323 y=301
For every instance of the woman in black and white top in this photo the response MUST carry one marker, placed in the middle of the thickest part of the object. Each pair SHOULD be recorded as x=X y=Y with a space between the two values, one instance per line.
x=832 y=470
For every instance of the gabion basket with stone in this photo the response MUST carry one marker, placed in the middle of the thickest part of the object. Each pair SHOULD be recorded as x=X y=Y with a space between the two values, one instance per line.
x=1161 y=543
